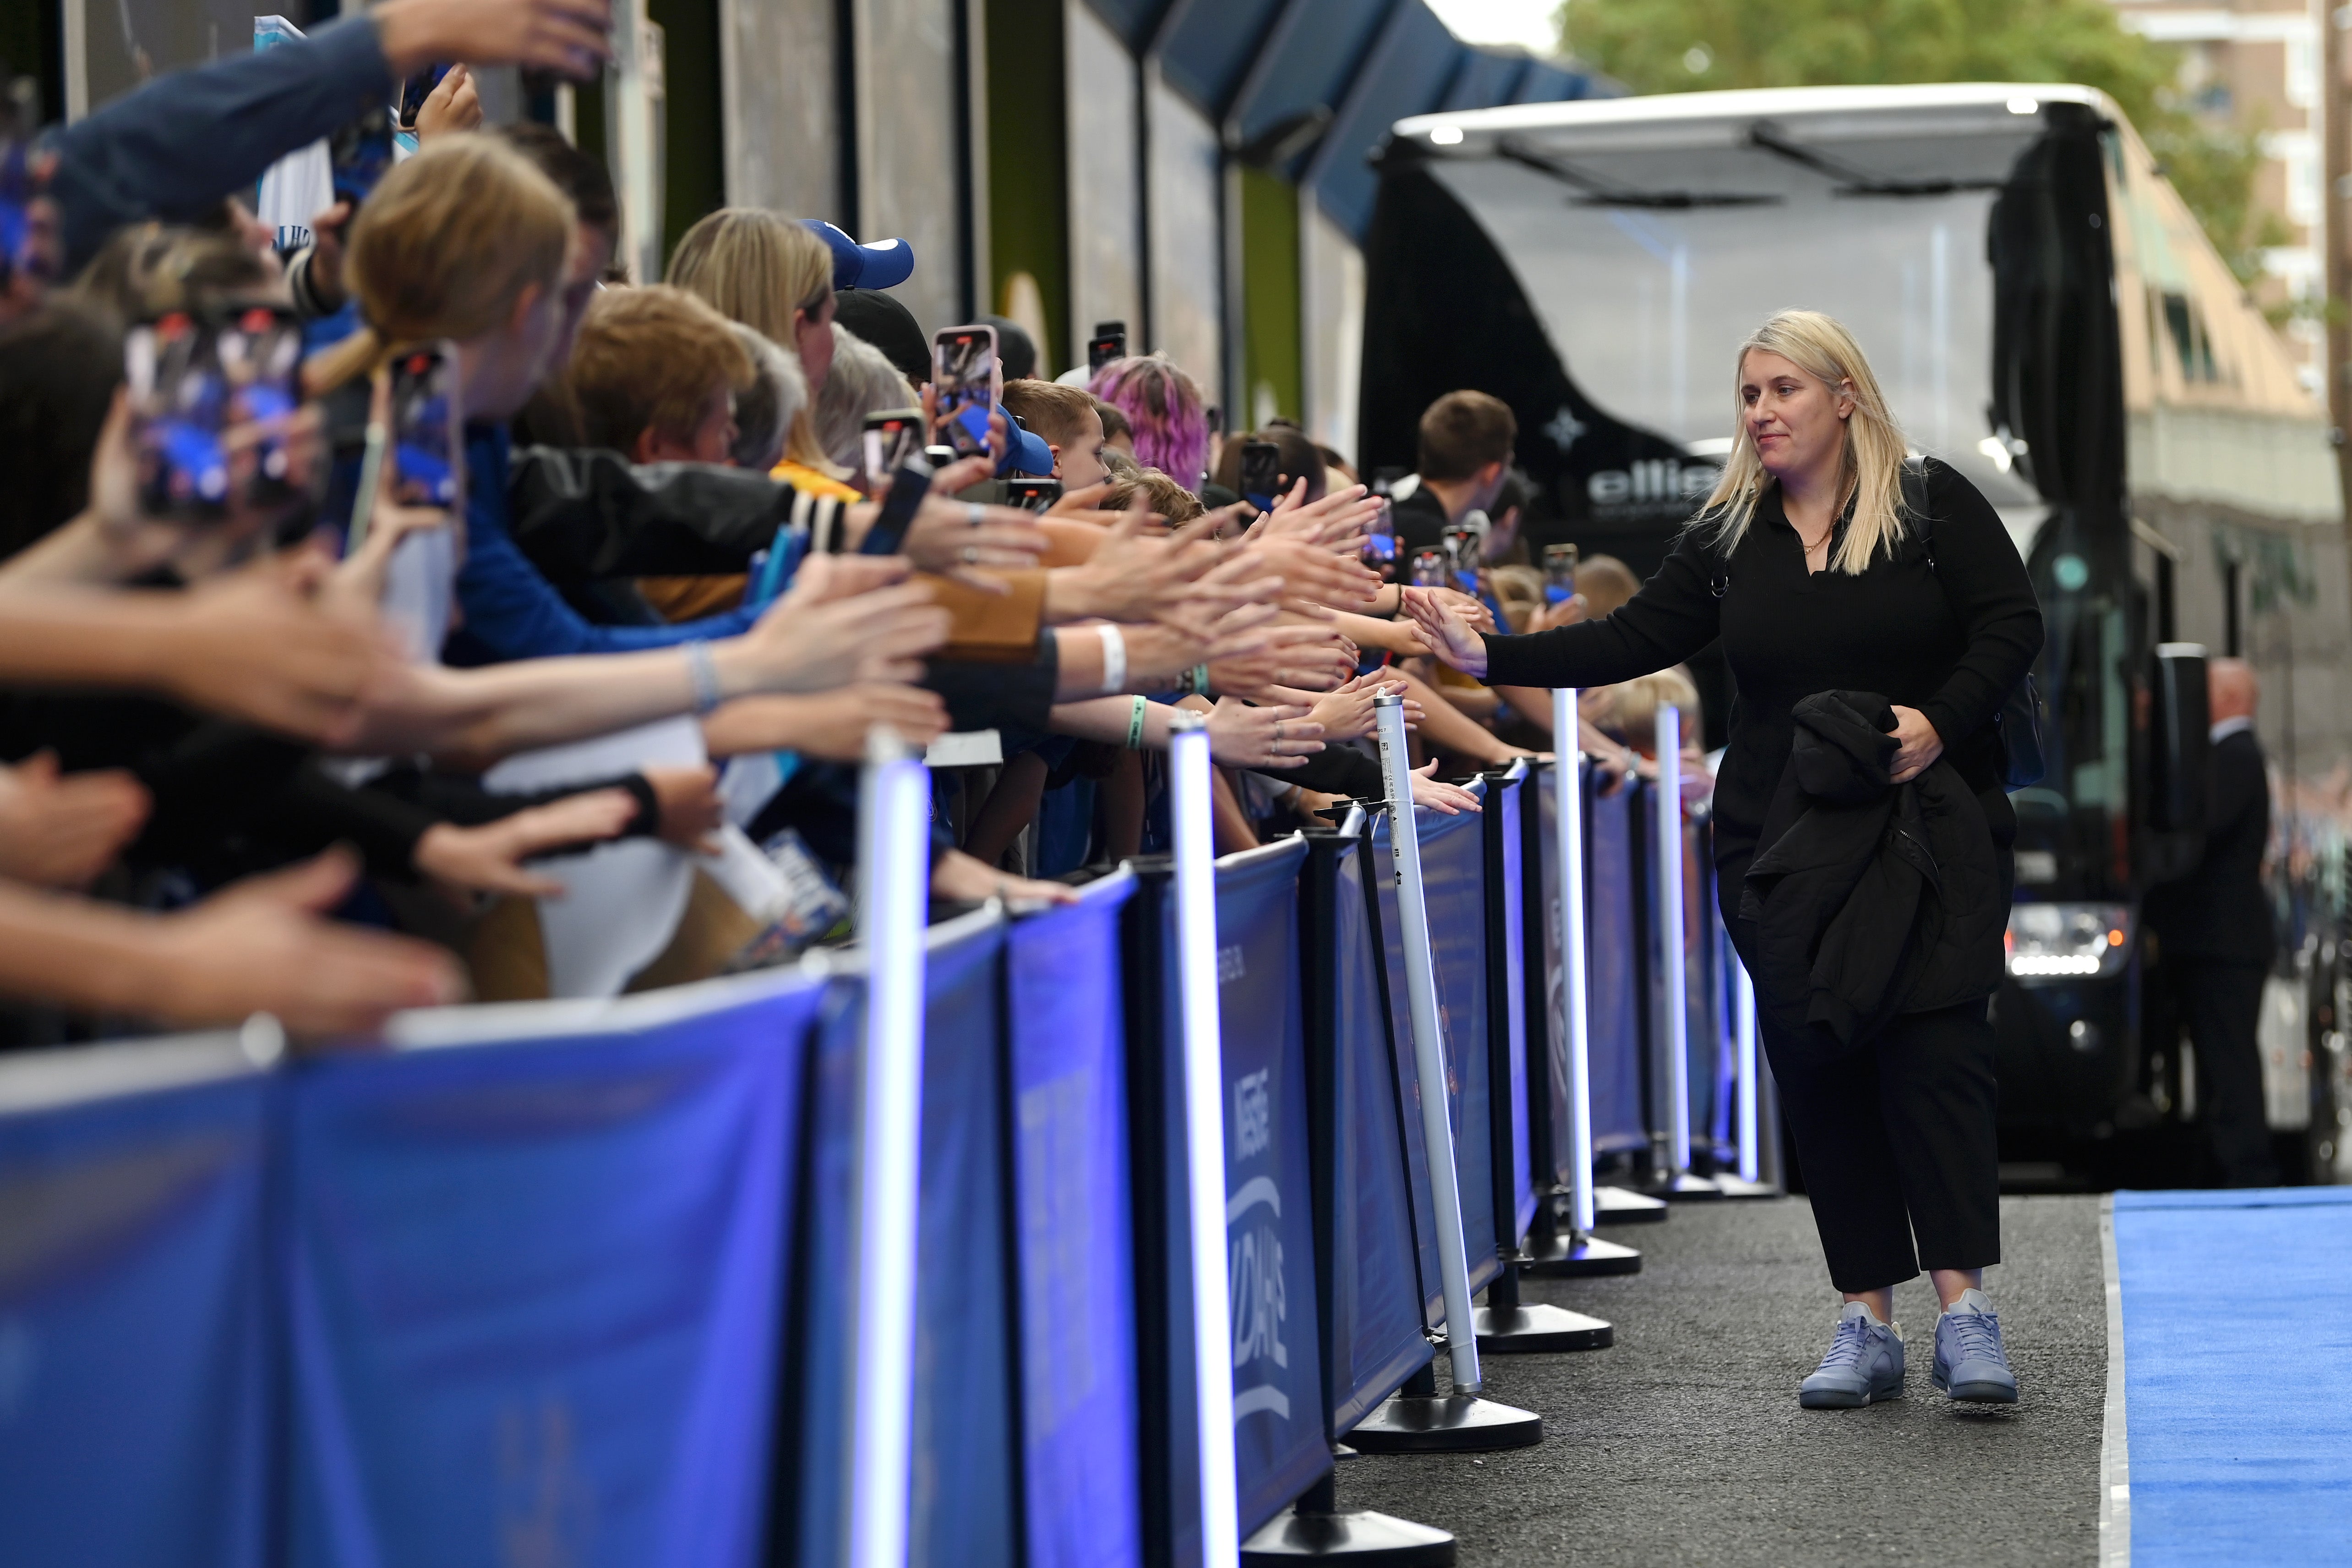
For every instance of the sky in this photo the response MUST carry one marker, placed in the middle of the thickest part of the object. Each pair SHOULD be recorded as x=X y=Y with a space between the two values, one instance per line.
x=1527 y=22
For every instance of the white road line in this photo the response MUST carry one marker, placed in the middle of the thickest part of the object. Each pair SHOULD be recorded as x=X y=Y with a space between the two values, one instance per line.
x=2115 y=1441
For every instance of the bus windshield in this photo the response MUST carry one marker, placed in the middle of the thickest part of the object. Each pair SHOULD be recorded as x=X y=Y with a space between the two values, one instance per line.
x=1646 y=304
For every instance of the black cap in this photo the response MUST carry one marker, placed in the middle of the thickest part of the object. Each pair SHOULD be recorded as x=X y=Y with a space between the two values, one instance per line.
x=1015 y=349
x=888 y=326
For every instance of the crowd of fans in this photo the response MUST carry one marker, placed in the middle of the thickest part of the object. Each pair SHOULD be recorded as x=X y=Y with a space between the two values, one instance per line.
x=274 y=706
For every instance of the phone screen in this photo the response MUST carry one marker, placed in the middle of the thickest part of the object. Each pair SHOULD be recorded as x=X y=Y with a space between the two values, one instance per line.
x=428 y=465
x=963 y=379
x=259 y=350
x=415 y=90
x=358 y=154
x=1560 y=572
x=1429 y=569
x=908 y=486
x=891 y=438
x=179 y=405
x=1032 y=494
x=1108 y=344
x=1261 y=473
x=1380 y=541
x=1461 y=558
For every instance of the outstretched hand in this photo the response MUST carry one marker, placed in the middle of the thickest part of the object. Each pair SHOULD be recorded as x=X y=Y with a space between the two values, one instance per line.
x=1447 y=630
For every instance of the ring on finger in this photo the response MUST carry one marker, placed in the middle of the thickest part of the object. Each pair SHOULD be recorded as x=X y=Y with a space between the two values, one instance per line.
x=972 y=554
x=974 y=513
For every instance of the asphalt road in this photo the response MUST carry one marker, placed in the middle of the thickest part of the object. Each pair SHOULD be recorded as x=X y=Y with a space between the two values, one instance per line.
x=1683 y=1442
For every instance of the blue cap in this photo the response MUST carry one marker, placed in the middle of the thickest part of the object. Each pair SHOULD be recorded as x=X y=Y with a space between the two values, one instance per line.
x=1026 y=452
x=885 y=264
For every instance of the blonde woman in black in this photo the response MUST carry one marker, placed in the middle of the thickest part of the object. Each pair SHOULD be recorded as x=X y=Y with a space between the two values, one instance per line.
x=1847 y=583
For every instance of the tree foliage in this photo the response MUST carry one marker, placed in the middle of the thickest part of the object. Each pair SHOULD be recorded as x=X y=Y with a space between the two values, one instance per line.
x=1685 y=45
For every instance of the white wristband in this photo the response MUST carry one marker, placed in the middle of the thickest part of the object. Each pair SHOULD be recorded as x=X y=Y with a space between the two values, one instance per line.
x=1114 y=644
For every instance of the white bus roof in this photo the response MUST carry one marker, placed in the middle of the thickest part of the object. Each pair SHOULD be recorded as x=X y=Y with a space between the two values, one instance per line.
x=1710 y=143
x=1963 y=105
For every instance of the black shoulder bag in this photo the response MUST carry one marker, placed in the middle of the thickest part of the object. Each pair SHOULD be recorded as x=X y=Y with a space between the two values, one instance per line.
x=2017 y=722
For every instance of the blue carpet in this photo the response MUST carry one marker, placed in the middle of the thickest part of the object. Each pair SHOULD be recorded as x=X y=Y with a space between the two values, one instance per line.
x=2237 y=1310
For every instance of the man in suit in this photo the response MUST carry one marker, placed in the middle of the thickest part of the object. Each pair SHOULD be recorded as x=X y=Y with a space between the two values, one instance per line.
x=2214 y=934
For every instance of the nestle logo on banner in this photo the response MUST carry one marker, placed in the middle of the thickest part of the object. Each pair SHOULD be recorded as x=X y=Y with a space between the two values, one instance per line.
x=1252 y=1113
x=1229 y=964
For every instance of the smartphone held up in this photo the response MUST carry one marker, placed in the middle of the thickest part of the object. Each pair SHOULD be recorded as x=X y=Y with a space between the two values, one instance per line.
x=965 y=385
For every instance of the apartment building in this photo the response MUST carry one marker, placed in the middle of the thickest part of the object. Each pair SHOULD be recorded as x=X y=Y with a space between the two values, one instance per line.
x=2254 y=65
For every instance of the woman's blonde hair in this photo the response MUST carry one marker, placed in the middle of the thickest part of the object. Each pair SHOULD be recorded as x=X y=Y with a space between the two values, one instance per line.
x=444 y=246
x=1822 y=348
x=758 y=266
x=1634 y=706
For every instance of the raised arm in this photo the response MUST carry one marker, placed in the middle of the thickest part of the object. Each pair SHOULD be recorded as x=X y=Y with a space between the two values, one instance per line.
x=1673 y=616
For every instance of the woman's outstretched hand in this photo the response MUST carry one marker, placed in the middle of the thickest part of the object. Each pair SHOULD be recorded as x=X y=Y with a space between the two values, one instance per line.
x=1449 y=635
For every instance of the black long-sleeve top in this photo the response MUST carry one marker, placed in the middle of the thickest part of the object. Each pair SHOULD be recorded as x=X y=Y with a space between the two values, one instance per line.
x=1948 y=625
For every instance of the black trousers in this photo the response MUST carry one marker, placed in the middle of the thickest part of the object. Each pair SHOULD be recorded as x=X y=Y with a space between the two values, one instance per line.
x=1898 y=1145
x=2221 y=1004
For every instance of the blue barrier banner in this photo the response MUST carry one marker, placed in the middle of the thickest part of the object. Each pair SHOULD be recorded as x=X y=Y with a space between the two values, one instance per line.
x=1368 y=1266
x=536 y=1284
x=965 y=1444
x=1515 y=1190
x=1617 y=978
x=1078 y=1410
x=1453 y=885
x=1278 y=1408
x=813 y=1415
x=1170 y=1443
x=135 y=1385
x=1408 y=1070
x=1454 y=879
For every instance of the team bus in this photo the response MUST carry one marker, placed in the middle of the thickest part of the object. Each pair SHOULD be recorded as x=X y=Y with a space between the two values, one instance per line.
x=2046 y=316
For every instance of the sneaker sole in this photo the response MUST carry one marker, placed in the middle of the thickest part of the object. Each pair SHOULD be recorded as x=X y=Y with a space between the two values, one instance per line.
x=1838 y=1399
x=1978 y=1393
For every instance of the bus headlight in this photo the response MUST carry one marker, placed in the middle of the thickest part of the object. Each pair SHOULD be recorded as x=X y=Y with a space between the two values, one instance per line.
x=2067 y=941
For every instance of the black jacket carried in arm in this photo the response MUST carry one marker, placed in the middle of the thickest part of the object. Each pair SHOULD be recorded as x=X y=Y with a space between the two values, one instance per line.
x=1951 y=637
x=2219 y=913
x=1868 y=899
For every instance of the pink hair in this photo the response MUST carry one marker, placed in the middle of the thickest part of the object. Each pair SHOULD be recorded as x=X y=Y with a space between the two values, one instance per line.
x=1164 y=407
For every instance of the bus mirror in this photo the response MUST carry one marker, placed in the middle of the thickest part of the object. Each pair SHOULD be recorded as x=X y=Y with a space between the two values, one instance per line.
x=2178 y=740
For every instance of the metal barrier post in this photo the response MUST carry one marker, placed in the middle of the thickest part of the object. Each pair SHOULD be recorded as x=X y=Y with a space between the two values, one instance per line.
x=1679 y=1183
x=1204 y=1135
x=1748 y=1112
x=1743 y=1002
x=894 y=865
x=1426 y=1419
x=1579 y=1252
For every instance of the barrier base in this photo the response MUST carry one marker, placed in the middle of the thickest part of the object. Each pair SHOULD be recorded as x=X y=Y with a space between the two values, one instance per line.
x=1564 y=1254
x=1533 y=1328
x=1620 y=1205
x=1360 y=1537
x=1733 y=1187
x=1445 y=1424
x=1688 y=1188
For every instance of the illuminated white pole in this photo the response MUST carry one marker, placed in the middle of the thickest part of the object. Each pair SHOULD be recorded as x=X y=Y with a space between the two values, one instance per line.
x=1670 y=935
x=1428 y=1045
x=893 y=873
x=1743 y=1004
x=1204 y=1135
x=1567 y=780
